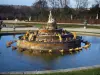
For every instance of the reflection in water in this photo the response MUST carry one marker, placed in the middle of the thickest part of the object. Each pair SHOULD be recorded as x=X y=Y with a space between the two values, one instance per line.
x=47 y=58
x=0 y=37
x=26 y=61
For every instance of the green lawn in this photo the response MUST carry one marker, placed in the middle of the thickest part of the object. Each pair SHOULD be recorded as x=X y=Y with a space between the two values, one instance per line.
x=25 y=24
x=59 y=25
x=77 y=26
x=82 y=72
x=95 y=71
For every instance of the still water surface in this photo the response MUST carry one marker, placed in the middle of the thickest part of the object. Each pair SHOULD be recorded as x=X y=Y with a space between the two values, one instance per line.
x=17 y=61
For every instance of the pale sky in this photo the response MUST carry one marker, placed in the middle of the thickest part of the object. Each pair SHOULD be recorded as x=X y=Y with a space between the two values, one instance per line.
x=17 y=2
x=89 y=5
x=29 y=2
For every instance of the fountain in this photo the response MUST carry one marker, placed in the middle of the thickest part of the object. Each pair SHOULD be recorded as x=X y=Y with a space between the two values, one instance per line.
x=51 y=39
x=49 y=48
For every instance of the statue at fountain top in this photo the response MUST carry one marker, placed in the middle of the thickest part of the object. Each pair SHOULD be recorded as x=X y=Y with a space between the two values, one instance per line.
x=51 y=24
x=51 y=20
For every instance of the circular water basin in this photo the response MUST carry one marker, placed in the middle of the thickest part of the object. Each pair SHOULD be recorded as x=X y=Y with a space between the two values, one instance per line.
x=13 y=60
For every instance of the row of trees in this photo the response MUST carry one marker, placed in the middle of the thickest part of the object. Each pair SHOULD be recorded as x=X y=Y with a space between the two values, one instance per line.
x=61 y=10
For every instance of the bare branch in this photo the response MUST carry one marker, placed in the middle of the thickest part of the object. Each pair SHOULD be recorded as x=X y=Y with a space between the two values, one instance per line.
x=81 y=4
x=97 y=2
x=58 y=3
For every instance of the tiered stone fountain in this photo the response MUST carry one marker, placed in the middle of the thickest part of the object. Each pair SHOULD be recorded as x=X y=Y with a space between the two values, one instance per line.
x=51 y=39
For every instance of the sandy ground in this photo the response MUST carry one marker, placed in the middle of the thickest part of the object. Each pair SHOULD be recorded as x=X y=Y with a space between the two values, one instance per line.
x=68 y=29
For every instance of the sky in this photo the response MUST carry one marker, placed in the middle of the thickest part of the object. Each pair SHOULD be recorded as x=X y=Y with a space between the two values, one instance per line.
x=17 y=2
x=29 y=2
x=89 y=5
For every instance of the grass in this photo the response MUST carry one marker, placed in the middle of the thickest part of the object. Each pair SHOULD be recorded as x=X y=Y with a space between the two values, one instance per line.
x=82 y=72
x=59 y=25
x=77 y=26
x=25 y=24
x=95 y=71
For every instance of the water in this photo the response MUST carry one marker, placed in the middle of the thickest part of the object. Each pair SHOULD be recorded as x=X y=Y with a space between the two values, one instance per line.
x=17 y=61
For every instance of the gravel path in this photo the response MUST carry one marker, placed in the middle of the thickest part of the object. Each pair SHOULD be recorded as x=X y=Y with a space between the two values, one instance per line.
x=80 y=31
x=69 y=29
x=83 y=30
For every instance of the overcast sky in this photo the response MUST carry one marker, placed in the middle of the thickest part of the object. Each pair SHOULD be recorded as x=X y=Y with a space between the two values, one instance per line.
x=17 y=2
x=29 y=2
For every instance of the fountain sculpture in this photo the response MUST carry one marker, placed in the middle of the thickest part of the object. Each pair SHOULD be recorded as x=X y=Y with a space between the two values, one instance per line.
x=50 y=38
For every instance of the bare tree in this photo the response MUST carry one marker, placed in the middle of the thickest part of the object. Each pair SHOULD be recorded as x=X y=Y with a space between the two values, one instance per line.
x=81 y=4
x=53 y=3
x=58 y=3
x=40 y=4
x=64 y=3
x=40 y=9
x=97 y=2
